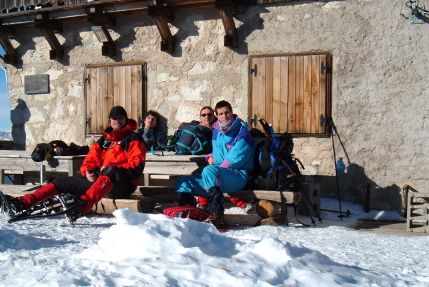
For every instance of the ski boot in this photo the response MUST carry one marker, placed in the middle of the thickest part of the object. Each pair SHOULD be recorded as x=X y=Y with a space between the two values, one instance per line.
x=72 y=206
x=12 y=206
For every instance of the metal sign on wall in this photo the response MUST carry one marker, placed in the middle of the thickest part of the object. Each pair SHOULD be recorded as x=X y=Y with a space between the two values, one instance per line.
x=36 y=84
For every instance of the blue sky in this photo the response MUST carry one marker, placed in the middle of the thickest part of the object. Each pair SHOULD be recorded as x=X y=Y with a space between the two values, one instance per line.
x=5 y=124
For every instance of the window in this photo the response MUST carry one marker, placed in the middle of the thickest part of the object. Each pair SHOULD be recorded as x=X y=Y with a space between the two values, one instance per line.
x=111 y=85
x=291 y=91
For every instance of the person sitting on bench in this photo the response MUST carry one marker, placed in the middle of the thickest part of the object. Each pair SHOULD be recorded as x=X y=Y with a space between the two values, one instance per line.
x=229 y=165
x=111 y=168
x=153 y=133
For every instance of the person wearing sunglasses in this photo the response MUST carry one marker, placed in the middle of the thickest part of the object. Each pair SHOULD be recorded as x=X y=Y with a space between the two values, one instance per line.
x=207 y=117
x=228 y=169
x=111 y=168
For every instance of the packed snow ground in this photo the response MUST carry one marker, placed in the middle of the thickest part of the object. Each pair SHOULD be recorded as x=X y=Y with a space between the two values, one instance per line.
x=132 y=249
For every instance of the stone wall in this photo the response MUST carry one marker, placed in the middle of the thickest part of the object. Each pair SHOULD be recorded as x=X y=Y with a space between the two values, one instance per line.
x=380 y=89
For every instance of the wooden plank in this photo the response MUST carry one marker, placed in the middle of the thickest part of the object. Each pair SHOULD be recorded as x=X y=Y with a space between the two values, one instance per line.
x=141 y=93
x=284 y=92
x=276 y=92
x=260 y=105
x=116 y=85
x=135 y=203
x=322 y=92
x=299 y=91
x=128 y=88
x=271 y=195
x=170 y=168
x=242 y=219
x=110 y=90
x=291 y=96
x=103 y=110
x=315 y=94
x=307 y=106
x=27 y=164
x=253 y=91
x=93 y=106
x=135 y=85
x=122 y=89
x=269 y=89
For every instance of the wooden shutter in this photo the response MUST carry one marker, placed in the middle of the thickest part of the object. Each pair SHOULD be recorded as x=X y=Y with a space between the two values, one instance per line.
x=292 y=92
x=108 y=86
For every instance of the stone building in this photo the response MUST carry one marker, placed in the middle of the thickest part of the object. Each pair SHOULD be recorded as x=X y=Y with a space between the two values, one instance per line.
x=296 y=63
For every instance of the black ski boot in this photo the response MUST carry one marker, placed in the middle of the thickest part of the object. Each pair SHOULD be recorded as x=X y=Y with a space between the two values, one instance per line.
x=216 y=209
x=11 y=206
x=72 y=206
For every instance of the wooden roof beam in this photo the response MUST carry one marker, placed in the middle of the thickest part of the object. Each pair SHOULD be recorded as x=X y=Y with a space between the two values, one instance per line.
x=11 y=56
x=49 y=27
x=100 y=22
x=226 y=10
x=162 y=16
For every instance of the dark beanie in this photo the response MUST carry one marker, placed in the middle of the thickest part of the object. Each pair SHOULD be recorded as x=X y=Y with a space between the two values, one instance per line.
x=116 y=112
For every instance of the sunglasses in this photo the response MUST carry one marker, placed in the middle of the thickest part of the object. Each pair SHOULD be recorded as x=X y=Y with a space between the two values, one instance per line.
x=205 y=115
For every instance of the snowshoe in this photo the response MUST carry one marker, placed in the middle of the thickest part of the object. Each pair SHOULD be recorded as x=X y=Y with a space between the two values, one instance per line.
x=66 y=204
x=12 y=206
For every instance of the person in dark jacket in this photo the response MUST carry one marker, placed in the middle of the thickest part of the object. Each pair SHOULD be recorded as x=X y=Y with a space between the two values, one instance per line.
x=111 y=168
x=153 y=136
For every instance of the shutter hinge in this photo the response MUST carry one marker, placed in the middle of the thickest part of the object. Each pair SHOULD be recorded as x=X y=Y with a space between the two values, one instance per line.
x=254 y=71
x=324 y=68
x=88 y=79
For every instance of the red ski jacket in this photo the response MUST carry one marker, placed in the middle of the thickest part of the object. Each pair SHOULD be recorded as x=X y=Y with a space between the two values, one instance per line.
x=122 y=148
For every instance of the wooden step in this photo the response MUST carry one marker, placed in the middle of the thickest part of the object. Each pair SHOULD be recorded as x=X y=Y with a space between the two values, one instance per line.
x=136 y=203
x=168 y=193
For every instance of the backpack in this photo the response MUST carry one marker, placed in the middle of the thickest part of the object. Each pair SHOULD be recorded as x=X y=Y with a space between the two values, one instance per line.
x=46 y=151
x=275 y=167
x=42 y=151
x=192 y=138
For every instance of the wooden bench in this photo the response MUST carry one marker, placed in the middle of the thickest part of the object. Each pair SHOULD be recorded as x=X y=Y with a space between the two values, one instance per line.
x=171 y=164
x=13 y=161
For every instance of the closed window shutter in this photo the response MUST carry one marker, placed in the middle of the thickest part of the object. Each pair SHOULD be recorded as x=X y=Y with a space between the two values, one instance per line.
x=109 y=86
x=292 y=92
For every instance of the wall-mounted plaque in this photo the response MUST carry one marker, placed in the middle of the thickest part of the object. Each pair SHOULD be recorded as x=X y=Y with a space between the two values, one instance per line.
x=36 y=84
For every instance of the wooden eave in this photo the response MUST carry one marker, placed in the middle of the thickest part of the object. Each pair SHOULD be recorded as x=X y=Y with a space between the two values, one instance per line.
x=101 y=13
x=110 y=6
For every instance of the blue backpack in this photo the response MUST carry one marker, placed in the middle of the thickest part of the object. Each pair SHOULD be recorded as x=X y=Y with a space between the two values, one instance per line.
x=193 y=138
x=275 y=166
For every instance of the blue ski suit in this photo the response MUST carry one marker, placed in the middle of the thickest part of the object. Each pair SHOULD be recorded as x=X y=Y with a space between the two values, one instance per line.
x=233 y=160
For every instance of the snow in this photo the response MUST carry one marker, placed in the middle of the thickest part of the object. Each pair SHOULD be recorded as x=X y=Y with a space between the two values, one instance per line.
x=135 y=249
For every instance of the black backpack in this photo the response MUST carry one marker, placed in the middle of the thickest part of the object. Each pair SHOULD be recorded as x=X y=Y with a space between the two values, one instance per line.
x=192 y=138
x=275 y=167
x=42 y=151
x=47 y=151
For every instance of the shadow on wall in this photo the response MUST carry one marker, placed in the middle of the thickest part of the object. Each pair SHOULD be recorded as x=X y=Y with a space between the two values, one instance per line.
x=163 y=124
x=355 y=186
x=19 y=116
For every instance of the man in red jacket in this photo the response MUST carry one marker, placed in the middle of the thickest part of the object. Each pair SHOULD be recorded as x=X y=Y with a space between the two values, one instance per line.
x=111 y=168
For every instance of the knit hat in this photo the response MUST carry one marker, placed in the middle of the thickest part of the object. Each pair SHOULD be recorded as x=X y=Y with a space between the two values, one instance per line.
x=117 y=112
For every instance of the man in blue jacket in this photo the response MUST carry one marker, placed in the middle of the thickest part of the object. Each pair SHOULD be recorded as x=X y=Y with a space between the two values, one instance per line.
x=229 y=164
